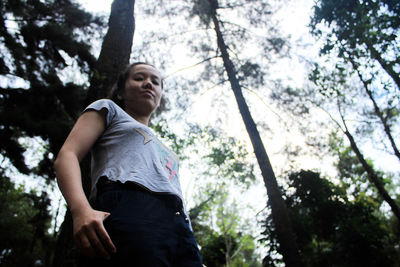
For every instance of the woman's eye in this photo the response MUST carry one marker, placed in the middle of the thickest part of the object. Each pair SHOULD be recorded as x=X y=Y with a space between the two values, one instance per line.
x=156 y=82
x=138 y=78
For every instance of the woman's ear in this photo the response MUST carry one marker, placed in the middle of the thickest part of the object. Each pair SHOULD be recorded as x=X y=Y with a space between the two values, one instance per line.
x=119 y=97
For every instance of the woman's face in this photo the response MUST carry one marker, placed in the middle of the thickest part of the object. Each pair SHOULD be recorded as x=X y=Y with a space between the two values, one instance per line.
x=142 y=90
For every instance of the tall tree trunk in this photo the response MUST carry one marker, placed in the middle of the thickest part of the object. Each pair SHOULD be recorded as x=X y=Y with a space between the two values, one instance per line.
x=373 y=177
x=114 y=56
x=115 y=50
x=285 y=233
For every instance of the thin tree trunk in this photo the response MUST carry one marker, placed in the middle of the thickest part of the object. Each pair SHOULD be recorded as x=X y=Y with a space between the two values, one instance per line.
x=64 y=253
x=385 y=65
x=285 y=233
x=373 y=177
x=378 y=112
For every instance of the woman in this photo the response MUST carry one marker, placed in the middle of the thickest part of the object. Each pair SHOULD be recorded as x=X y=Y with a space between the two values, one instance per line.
x=138 y=214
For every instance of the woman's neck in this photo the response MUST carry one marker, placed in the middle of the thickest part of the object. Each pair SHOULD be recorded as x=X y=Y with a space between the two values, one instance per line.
x=143 y=119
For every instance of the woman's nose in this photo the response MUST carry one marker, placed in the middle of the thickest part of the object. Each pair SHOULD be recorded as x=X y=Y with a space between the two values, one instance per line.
x=147 y=84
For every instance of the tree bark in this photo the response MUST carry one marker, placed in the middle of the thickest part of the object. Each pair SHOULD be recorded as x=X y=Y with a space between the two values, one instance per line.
x=115 y=50
x=114 y=56
x=285 y=233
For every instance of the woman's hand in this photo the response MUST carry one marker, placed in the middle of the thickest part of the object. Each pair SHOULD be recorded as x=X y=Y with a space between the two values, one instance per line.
x=90 y=235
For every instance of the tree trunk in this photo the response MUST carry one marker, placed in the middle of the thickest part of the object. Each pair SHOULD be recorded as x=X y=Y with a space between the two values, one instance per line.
x=373 y=177
x=114 y=56
x=115 y=50
x=64 y=252
x=378 y=111
x=286 y=237
x=385 y=65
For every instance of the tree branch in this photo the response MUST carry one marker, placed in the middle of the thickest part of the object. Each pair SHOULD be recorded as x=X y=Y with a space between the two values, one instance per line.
x=191 y=66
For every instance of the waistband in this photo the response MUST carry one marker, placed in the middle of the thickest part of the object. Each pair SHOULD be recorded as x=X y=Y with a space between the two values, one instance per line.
x=170 y=199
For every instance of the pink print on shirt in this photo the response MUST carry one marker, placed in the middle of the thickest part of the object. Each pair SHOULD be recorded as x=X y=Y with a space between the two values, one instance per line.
x=165 y=155
x=170 y=166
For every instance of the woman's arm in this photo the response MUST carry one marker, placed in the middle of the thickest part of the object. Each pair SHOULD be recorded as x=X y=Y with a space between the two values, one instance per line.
x=89 y=232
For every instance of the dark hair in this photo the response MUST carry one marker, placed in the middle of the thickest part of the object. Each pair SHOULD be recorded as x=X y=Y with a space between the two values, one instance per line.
x=119 y=87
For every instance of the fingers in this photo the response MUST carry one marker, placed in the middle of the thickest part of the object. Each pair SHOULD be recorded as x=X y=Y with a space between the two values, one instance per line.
x=105 y=238
x=83 y=243
x=92 y=238
x=96 y=243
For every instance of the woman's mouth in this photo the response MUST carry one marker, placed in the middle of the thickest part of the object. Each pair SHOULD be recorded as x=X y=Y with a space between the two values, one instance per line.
x=148 y=93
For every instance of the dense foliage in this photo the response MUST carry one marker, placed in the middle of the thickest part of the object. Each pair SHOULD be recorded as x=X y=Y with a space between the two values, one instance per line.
x=354 y=83
x=24 y=223
x=45 y=60
x=366 y=31
x=332 y=229
x=45 y=64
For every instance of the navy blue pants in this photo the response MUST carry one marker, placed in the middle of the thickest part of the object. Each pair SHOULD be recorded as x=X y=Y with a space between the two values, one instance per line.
x=147 y=229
